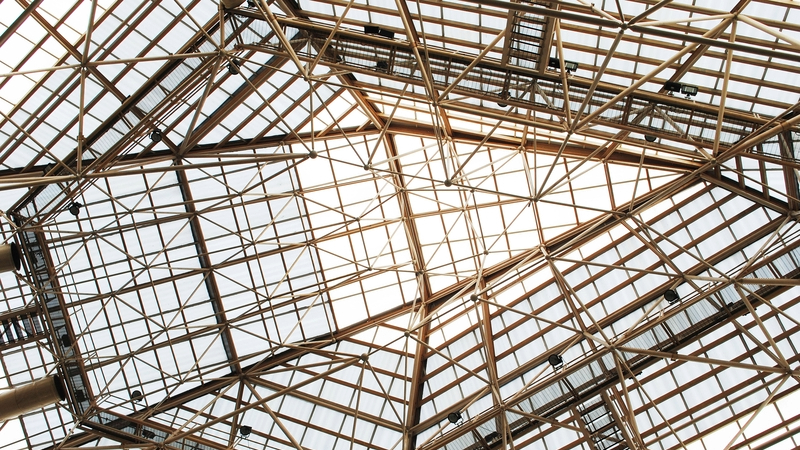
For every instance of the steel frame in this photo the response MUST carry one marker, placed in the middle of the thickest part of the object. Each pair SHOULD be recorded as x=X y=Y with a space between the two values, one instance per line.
x=577 y=123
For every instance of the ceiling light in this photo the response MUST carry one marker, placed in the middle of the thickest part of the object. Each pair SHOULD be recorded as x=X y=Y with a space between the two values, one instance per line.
x=672 y=86
x=649 y=138
x=245 y=430
x=136 y=396
x=75 y=208
x=503 y=95
x=372 y=29
x=671 y=296
x=689 y=90
x=454 y=417
x=555 y=360
x=156 y=135
x=233 y=67
x=569 y=66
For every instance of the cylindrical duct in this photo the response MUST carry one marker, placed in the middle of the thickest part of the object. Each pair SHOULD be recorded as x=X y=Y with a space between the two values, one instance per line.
x=29 y=397
x=228 y=4
x=9 y=257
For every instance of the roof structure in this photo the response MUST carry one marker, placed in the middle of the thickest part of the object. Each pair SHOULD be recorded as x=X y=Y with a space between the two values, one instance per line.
x=402 y=225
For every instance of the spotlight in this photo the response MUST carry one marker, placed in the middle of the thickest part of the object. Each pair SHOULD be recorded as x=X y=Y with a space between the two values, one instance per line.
x=454 y=417
x=372 y=29
x=233 y=67
x=671 y=296
x=672 y=86
x=75 y=208
x=555 y=360
x=148 y=434
x=245 y=430
x=688 y=90
x=136 y=396
x=649 y=138
x=156 y=135
x=382 y=66
x=503 y=95
x=569 y=66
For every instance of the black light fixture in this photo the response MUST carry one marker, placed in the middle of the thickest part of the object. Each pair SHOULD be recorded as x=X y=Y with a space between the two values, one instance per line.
x=671 y=296
x=555 y=360
x=569 y=66
x=148 y=434
x=454 y=417
x=251 y=3
x=503 y=95
x=373 y=29
x=649 y=138
x=136 y=396
x=156 y=135
x=382 y=65
x=672 y=86
x=245 y=430
x=233 y=67
x=75 y=208
x=688 y=90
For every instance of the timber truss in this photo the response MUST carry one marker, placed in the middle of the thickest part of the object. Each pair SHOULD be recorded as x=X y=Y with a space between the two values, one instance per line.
x=392 y=225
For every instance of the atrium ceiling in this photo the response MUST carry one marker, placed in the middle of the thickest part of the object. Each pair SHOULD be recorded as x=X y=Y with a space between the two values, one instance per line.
x=400 y=225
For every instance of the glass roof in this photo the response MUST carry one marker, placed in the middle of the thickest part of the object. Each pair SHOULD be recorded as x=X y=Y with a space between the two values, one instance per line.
x=457 y=224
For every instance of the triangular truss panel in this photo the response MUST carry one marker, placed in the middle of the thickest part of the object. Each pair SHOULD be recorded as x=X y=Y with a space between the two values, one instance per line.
x=392 y=225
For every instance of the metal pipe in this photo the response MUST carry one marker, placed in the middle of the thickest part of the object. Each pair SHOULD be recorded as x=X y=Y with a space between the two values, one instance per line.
x=22 y=399
x=9 y=257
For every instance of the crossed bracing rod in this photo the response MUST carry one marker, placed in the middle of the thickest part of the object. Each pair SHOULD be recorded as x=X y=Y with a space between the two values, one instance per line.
x=597 y=362
x=121 y=425
x=179 y=78
x=689 y=123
